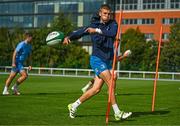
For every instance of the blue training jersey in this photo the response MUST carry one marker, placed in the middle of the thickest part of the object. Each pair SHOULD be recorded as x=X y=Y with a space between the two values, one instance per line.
x=23 y=50
x=103 y=44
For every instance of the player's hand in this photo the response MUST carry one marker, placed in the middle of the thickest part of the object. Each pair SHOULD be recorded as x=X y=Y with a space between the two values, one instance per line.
x=66 y=41
x=13 y=65
x=127 y=53
x=119 y=58
x=30 y=68
x=91 y=30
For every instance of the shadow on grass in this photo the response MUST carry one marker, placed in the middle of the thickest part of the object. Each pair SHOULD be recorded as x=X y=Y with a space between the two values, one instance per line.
x=94 y=115
x=130 y=94
x=135 y=114
x=49 y=93
x=79 y=93
x=127 y=94
x=138 y=114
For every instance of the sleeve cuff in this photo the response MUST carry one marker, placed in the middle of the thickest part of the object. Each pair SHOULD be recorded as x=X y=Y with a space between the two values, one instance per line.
x=98 y=30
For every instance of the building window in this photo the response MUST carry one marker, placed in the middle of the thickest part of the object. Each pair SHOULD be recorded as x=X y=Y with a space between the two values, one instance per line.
x=153 y=4
x=89 y=6
x=16 y=8
x=148 y=21
x=43 y=20
x=69 y=7
x=131 y=21
x=45 y=8
x=138 y=21
x=149 y=36
x=14 y=21
x=170 y=21
x=127 y=4
x=165 y=36
x=125 y=21
x=175 y=4
x=165 y=21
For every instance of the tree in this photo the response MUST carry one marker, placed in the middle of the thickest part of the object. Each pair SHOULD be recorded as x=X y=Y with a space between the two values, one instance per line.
x=170 y=56
x=59 y=55
x=150 y=55
x=76 y=57
x=4 y=46
x=8 y=42
x=134 y=40
x=44 y=56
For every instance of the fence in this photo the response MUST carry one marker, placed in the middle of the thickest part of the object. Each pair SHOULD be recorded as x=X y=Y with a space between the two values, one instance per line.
x=66 y=72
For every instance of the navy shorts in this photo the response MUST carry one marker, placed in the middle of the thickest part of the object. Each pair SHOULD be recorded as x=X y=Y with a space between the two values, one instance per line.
x=99 y=65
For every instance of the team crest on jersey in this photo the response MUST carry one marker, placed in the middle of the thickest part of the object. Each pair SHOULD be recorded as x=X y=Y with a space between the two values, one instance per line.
x=108 y=28
x=102 y=66
x=96 y=70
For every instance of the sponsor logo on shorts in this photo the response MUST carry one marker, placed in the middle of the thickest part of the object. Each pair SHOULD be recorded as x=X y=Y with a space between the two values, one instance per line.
x=103 y=66
x=96 y=70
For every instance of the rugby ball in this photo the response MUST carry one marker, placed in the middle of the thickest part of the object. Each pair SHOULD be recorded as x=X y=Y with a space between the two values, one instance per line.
x=127 y=52
x=54 y=38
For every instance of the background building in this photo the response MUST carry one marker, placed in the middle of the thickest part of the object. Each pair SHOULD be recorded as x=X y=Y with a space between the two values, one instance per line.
x=147 y=15
x=38 y=13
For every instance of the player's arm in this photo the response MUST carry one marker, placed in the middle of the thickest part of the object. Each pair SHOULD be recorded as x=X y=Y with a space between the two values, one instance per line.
x=18 y=48
x=75 y=35
x=109 y=33
x=126 y=54
x=120 y=58
x=112 y=31
x=30 y=62
x=14 y=58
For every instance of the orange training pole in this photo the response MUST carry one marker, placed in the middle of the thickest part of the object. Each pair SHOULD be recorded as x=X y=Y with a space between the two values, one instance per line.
x=113 y=67
x=157 y=66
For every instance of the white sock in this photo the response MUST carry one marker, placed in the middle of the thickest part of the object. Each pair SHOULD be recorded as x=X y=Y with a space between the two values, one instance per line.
x=15 y=85
x=86 y=87
x=5 y=88
x=76 y=104
x=115 y=108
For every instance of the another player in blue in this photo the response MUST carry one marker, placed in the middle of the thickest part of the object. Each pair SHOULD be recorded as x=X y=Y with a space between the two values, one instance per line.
x=103 y=31
x=20 y=55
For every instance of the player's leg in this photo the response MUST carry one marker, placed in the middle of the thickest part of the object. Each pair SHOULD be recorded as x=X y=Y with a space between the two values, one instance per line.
x=8 y=82
x=115 y=78
x=107 y=77
x=88 y=85
x=98 y=83
x=19 y=81
x=91 y=83
x=87 y=95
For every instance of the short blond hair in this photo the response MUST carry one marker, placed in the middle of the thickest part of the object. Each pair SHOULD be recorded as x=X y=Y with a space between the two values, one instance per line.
x=105 y=6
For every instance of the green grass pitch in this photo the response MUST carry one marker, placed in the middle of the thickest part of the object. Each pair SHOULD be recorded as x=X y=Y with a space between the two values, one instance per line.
x=44 y=100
